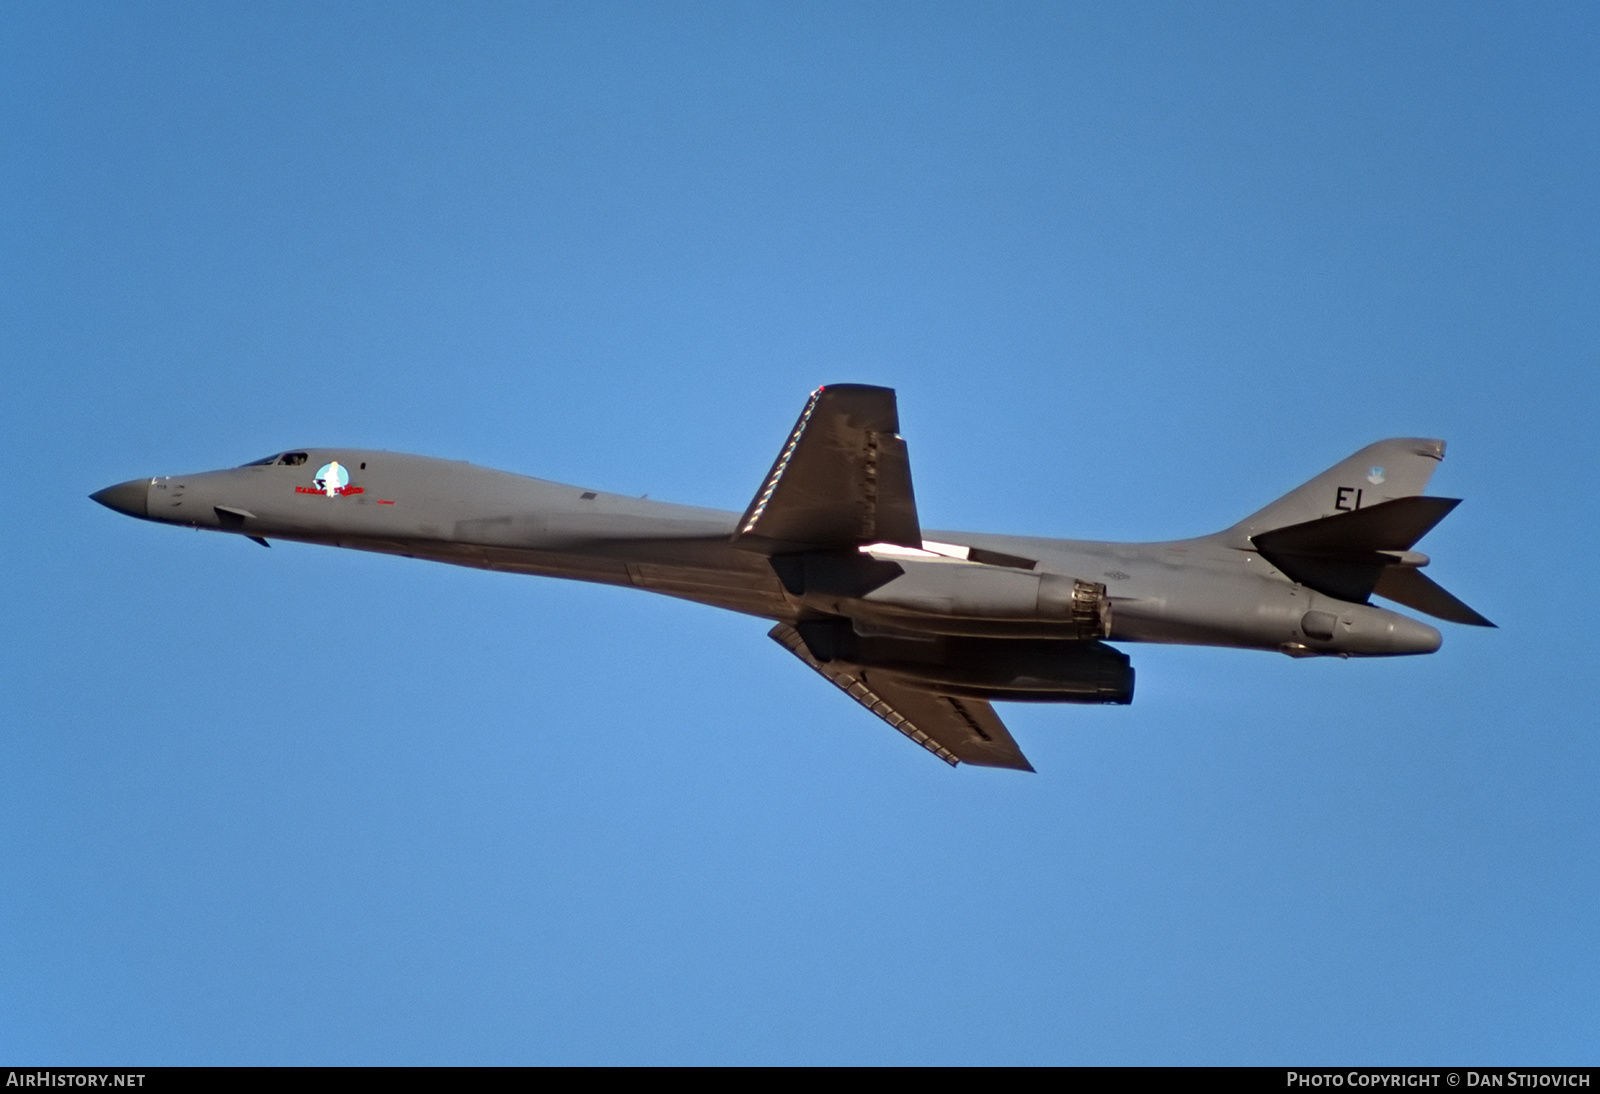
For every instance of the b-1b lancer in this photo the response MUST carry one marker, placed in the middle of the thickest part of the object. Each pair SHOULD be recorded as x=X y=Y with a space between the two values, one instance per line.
x=923 y=628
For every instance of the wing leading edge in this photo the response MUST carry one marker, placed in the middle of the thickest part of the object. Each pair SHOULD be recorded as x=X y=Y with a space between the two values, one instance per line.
x=957 y=730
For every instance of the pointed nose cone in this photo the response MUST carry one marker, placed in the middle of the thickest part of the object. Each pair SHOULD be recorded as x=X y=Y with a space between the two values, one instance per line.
x=132 y=498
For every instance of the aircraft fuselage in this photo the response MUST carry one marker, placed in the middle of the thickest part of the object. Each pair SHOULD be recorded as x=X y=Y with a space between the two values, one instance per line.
x=1193 y=591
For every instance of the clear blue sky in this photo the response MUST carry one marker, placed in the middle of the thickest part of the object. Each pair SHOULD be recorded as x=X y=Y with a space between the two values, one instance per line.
x=1135 y=270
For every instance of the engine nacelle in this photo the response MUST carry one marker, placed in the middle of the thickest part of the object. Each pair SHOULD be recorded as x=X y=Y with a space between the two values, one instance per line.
x=976 y=591
x=1016 y=670
x=971 y=598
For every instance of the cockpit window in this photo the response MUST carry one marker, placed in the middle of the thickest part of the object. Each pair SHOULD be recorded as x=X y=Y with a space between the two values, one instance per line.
x=264 y=461
x=291 y=459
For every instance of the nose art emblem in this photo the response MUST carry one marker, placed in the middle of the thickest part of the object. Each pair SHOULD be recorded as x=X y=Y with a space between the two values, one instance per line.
x=333 y=480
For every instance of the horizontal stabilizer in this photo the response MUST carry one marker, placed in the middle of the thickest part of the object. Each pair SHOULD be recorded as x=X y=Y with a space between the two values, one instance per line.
x=957 y=730
x=1409 y=586
x=1388 y=526
x=1353 y=555
x=843 y=479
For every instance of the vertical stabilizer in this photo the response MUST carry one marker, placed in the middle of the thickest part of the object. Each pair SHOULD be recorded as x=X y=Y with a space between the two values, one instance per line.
x=1396 y=468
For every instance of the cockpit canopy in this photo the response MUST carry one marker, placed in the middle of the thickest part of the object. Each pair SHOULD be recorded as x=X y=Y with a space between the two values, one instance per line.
x=282 y=459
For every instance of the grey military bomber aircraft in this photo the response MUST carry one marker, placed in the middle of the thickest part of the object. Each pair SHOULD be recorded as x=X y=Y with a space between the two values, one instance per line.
x=923 y=628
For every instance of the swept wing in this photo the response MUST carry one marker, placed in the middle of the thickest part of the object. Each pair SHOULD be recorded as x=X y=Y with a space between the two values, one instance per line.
x=843 y=479
x=955 y=729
